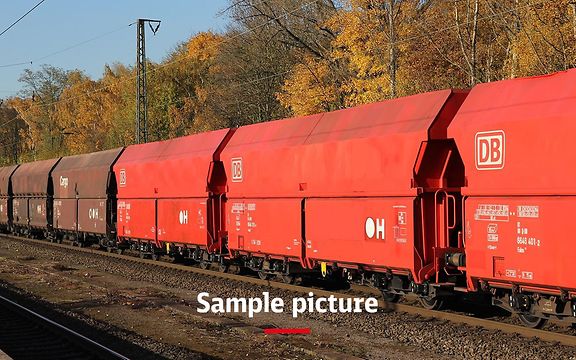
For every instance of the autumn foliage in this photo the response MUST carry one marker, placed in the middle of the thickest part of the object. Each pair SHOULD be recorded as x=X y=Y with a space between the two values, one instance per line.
x=280 y=58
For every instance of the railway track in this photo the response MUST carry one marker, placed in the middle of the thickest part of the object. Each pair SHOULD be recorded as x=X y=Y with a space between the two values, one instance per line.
x=25 y=334
x=549 y=336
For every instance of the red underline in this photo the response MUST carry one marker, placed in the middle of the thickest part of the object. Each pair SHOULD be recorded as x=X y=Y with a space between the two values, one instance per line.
x=287 y=331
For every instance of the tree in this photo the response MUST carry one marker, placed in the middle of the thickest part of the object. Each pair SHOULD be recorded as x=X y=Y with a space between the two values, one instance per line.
x=180 y=100
x=546 y=37
x=41 y=91
x=279 y=58
x=11 y=128
x=273 y=41
x=83 y=114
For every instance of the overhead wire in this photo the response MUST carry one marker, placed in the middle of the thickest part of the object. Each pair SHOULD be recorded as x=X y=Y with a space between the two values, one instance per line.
x=247 y=31
x=20 y=18
x=30 y=62
x=283 y=72
x=16 y=64
x=83 y=42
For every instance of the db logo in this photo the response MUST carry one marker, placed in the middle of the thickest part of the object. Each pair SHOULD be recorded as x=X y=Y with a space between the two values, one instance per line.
x=237 y=173
x=490 y=150
x=375 y=228
x=122 y=177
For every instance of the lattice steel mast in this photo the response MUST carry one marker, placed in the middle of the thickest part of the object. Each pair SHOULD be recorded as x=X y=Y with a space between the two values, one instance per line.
x=141 y=96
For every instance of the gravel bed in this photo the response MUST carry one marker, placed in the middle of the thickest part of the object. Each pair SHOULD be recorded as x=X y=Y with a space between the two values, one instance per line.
x=440 y=337
x=125 y=342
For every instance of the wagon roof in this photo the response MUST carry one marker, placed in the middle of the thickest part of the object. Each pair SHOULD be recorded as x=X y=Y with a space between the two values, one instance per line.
x=85 y=175
x=516 y=137
x=172 y=168
x=33 y=178
x=368 y=149
x=5 y=173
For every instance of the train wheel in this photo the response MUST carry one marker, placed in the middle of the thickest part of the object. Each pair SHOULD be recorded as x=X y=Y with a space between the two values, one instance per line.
x=155 y=256
x=530 y=321
x=119 y=251
x=262 y=275
x=288 y=279
x=204 y=265
x=142 y=255
x=222 y=268
x=390 y=297
x=430 y=303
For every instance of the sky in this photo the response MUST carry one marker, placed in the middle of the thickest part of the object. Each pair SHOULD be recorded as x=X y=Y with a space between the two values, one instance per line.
x=56 y=25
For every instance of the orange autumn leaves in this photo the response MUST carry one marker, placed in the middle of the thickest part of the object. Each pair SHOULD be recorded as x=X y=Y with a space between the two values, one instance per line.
x=279 y=58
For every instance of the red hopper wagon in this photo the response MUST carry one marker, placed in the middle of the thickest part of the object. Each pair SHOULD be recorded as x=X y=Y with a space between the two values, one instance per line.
x=516 y=138
x=372 y=190
x=170 y=196
x=437 y=194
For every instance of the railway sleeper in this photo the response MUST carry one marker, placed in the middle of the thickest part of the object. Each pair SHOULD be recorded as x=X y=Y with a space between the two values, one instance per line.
x=534 y=309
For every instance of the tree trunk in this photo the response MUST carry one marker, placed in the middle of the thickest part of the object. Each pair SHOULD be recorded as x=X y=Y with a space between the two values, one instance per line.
x=473 y=67
x=392 y=49
x=573 y=6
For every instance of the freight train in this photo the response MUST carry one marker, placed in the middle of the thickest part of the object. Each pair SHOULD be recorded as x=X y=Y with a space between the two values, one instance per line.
x=437 y=194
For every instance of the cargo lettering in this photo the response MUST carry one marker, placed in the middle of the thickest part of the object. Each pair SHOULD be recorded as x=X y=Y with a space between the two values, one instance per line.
x=183 y=217
x=375 y=228
x=492 y=212
x=64 y=182
x=93 y=214
x=523 y=240
x=490 y=148
x=525 y=211
x=519 y=274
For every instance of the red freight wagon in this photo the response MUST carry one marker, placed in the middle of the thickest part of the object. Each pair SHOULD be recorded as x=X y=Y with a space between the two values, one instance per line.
x=516 y=139
x=169 y=191
x=264 y=204
x=33 y=190
x=85 y=196
x=6 y=197
x=355 y=188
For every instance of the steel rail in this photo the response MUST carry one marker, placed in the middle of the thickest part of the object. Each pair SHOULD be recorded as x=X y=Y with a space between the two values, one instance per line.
x=563 y=339
x=43 y=319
